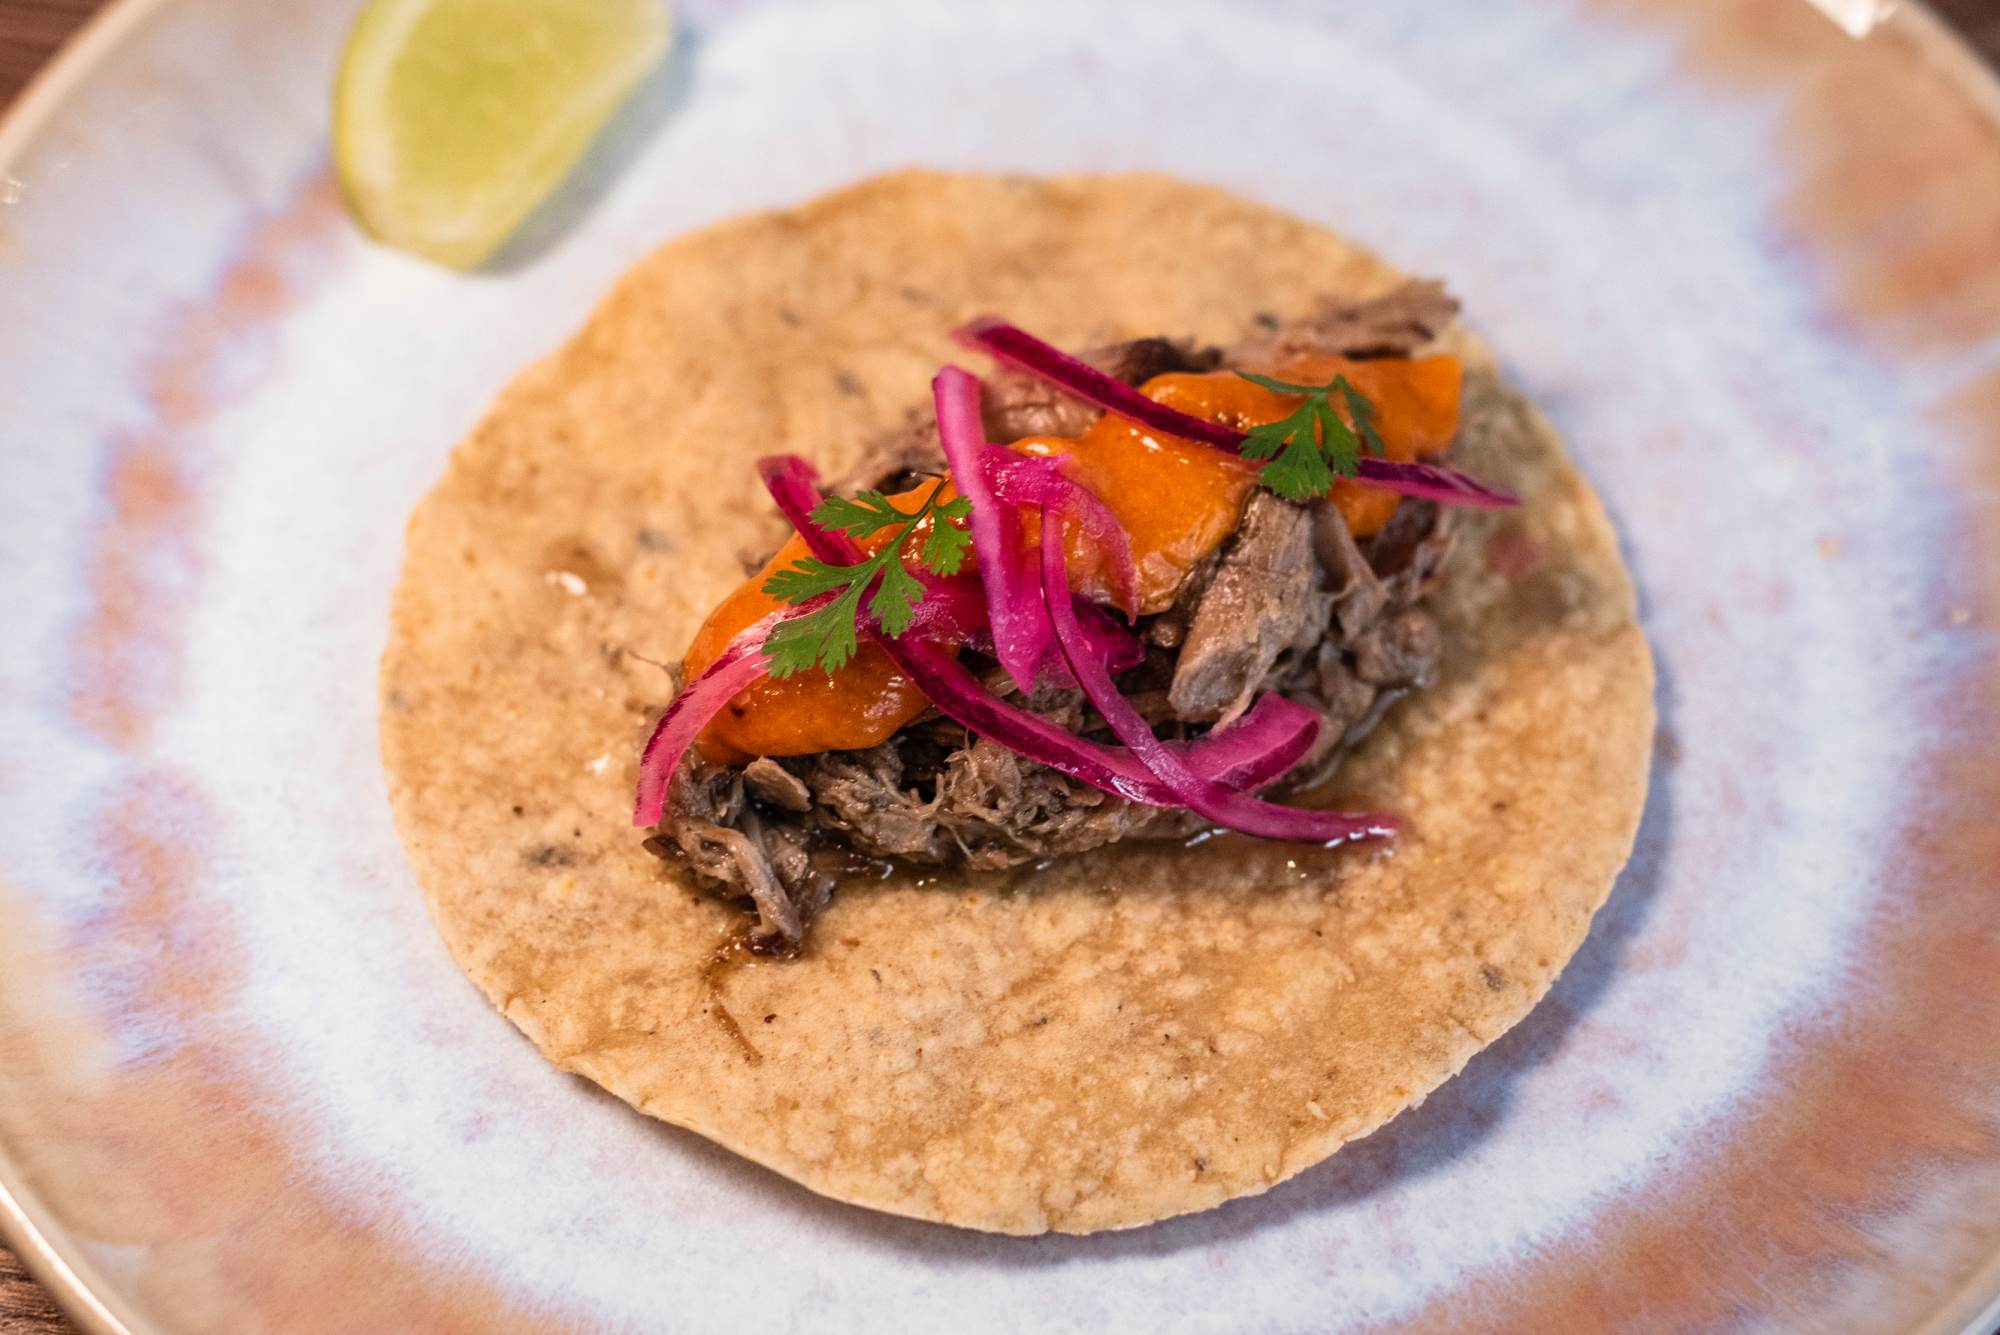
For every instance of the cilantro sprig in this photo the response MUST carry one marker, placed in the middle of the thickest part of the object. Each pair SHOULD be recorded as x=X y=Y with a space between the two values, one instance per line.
x=1311 y=444
x=826 y=638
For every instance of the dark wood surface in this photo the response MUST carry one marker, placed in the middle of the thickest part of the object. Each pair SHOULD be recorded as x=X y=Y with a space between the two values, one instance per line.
x=30 y=31
x=24 y=1308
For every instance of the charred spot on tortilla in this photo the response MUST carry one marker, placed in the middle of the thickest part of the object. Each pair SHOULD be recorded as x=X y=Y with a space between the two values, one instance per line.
x=1077 y=1007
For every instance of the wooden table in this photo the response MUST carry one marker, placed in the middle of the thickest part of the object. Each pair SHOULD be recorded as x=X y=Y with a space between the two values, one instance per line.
x=30 y=31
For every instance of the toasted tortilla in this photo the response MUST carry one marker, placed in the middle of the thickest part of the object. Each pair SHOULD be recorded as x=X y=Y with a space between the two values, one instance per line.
x=1119 y=1037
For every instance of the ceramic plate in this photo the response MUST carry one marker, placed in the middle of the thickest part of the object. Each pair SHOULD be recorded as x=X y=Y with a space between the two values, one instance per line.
x=1751 y=266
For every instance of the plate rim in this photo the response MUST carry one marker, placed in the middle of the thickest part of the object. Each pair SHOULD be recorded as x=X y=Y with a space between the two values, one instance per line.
x=27 y=1226
x=44 y=1247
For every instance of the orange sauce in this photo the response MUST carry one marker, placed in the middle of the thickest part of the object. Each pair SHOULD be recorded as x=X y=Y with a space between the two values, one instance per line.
x=860 y=705
x=1177 y=500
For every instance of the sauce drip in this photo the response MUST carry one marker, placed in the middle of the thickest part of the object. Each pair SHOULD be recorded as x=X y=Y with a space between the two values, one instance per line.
x=1177 y=499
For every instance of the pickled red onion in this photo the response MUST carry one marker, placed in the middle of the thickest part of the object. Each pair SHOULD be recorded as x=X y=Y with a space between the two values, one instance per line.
x=1017 y=347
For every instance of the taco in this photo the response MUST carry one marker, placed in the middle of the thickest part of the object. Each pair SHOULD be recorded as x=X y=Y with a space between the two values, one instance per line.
x=1138 y=773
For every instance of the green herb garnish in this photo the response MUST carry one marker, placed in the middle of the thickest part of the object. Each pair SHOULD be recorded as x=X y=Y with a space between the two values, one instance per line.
x=1313 y=443
x=827 y=637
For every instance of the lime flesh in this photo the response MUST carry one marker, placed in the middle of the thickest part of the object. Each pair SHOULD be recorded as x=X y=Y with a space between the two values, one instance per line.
x=453 y=119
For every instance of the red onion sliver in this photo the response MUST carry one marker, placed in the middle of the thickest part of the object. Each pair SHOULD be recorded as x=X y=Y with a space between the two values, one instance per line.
x=1034 y=480
x=740 y=666
x=1022 y=636
x=953 y=609
x=794 y=487
x=1110 y=643
x=998 y=339
x=1233 y=810
x=1256 y=749
x=1017 y=347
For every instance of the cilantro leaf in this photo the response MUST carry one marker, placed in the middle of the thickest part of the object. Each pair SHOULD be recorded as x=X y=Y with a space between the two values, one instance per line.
x=1299 y=472
x=825 y=637
x=1263 y=441
x=1281 y=386
x=828 y=637
x=1313 y=442
x=1363 y=413
x=945 y=547
x=1269 y=438
x=896 y=597
x=1339 y=443
x=806 y=579
x=866 y=514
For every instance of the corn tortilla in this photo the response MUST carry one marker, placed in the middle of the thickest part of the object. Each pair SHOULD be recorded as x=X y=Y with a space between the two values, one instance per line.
x=1119 y=1037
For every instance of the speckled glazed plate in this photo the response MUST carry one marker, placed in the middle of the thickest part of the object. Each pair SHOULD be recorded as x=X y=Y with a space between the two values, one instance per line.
x=1750 y=265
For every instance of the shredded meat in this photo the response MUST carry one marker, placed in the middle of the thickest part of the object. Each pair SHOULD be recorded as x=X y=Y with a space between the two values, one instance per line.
x=984 y=806
x=1263 y=600
x=894 y=461
x=1394 y=324
x=775 y=784
x=1292 y=604
x=861 y=795
x=726 y=842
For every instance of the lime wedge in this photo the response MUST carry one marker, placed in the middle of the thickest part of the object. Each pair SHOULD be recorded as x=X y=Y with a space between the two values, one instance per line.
x=452 y=119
